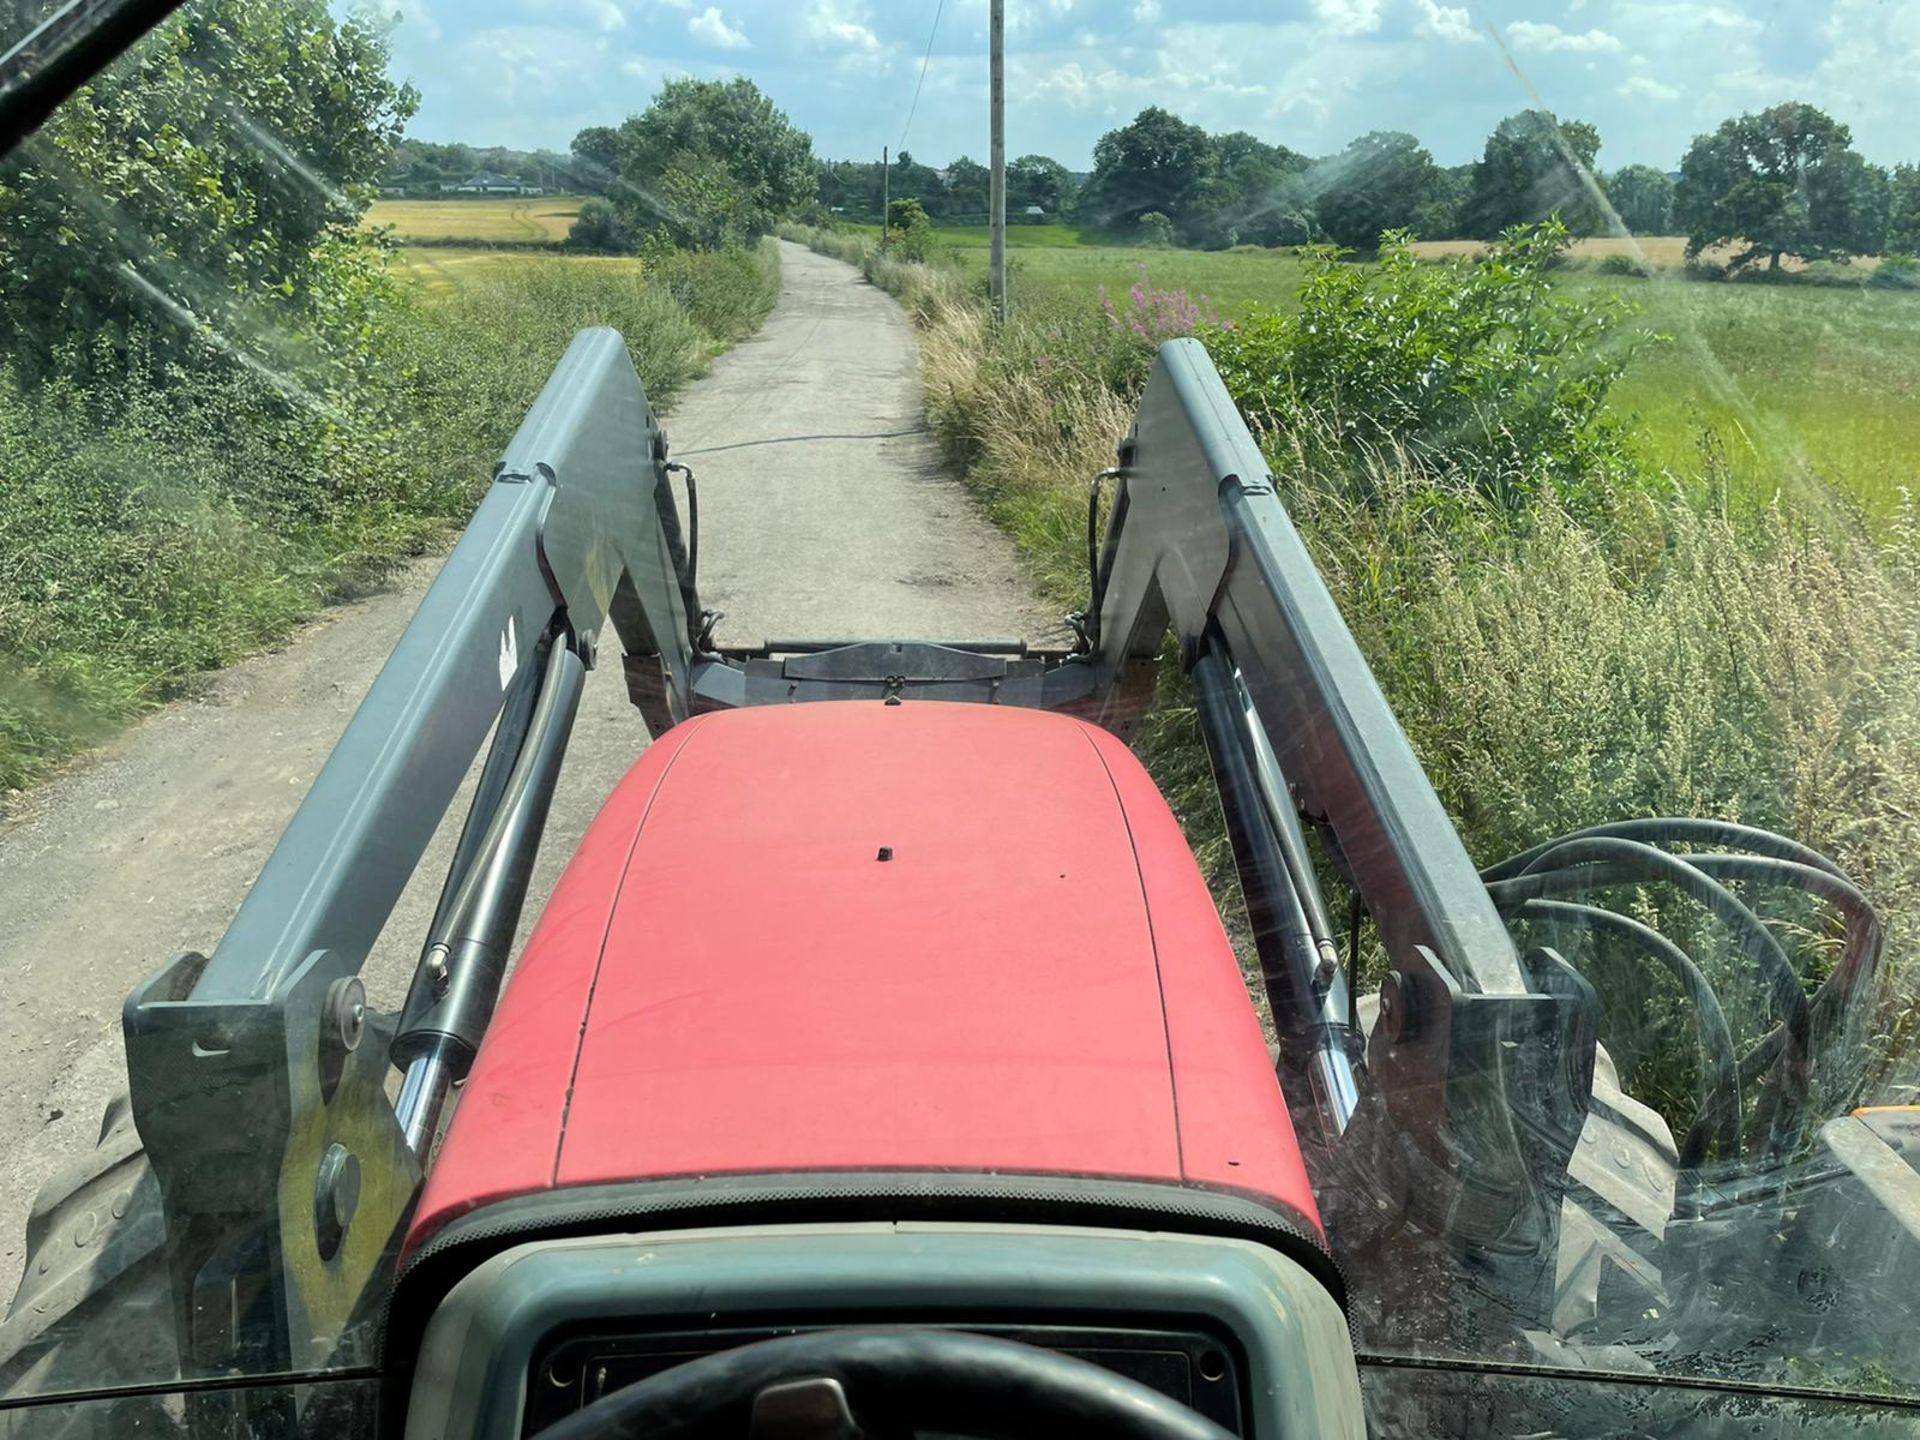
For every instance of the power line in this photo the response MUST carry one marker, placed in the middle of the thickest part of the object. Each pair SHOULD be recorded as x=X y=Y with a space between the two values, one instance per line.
x=925 y=61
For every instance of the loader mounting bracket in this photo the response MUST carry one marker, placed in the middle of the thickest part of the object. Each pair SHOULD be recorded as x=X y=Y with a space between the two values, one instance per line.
x=271 y=1263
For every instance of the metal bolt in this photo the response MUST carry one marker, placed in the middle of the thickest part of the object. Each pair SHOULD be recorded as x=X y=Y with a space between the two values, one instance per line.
x=1396 y=1011
x=438 y=975
x=347 y=1011
x=336 y=1195
x=1329 y=965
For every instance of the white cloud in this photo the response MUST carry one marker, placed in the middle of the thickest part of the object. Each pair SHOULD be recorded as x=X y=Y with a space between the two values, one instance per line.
x=1446 y=22
x=411 y=17
x=633 y=68
x=1146 y=12
x=1349 y=17
x=1538 y=35
x=605 y=14
x=830 y=24
x=711 y=27
x=517 y=62
x=1645 y=87
x=843 y=29
x=1070 y=83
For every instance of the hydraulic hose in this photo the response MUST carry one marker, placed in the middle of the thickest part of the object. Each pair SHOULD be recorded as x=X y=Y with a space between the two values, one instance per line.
x=1719 y=1114
x=1671 y=828
x=1577 y=866
x=1861 y=959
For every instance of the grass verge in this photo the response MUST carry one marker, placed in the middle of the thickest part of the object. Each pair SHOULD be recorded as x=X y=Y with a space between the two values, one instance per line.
x=160 y=530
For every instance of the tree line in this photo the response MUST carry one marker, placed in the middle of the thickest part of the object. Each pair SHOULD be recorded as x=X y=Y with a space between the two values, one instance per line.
x=711 y=163
x=424 y=167
x=1785 y=181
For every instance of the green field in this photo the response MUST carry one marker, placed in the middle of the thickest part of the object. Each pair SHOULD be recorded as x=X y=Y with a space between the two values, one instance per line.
x=1789 y=389
x=1794 y=389
x=1228 y=282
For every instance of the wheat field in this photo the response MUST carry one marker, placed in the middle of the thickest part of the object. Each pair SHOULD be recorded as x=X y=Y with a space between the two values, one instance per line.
x=532 y=219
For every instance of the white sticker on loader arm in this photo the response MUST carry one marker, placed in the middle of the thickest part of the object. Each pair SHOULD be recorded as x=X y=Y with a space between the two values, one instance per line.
x=509 y=654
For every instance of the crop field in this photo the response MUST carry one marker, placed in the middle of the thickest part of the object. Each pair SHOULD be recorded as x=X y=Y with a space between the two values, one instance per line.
x=525 y=220
x=1784 y=390
x=1662 y=251
x=439 y=269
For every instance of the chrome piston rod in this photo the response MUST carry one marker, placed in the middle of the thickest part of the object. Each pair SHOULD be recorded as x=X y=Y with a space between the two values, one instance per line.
x=465 y=958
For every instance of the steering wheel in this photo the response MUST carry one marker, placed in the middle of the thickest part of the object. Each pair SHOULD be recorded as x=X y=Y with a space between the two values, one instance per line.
x=845 y=1384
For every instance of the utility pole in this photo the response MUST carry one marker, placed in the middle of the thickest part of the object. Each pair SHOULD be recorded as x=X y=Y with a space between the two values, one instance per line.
x=997 y=193
x=886 y=194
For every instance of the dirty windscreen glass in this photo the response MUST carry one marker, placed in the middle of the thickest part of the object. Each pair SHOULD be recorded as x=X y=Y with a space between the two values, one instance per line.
x=1584 y=351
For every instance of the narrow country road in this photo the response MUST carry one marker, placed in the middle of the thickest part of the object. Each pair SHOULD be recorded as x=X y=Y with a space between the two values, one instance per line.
x=825 y=512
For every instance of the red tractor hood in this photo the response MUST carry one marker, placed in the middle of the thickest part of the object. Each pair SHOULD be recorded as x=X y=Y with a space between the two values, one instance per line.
x=861 y=937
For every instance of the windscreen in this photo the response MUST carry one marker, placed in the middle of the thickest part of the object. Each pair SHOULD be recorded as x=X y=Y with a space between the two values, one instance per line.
x=1582 y=343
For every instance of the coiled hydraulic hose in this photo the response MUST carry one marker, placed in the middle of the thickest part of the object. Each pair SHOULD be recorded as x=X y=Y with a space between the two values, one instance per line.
x=1621 y=853
x=1669 y=828
x=1718 y=1116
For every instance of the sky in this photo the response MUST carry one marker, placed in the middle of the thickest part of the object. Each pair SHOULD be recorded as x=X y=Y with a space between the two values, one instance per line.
x=1309 y=74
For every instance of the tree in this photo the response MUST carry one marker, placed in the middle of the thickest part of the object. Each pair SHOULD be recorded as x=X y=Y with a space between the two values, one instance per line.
x=922 y=182
x=908 y=230
x=235 y=146
x=1535 y=166
x=969 y=186
x=424 y=163
x=1786 y=181
x=599 y=227
x=1155 y=231
x=1375 y=185
x=1252 y=193
x=1158 y=162
x=1903 y=217
x=849 y=185
x=596 y=158
x=1037 y=180
x=1643 y=199
x=715 y=161
x=1441 y=215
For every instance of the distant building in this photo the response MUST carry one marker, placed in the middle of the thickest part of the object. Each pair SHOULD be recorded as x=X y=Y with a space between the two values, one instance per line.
x=489 y=183
x=1036 y=211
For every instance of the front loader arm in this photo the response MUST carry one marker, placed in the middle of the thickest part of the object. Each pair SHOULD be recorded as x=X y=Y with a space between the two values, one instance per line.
x=1474 y=1086
x=1202 y=542
x=283 y=1172
x=568 y=533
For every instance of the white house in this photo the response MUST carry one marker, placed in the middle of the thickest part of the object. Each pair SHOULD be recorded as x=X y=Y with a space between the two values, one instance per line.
x=489 y=183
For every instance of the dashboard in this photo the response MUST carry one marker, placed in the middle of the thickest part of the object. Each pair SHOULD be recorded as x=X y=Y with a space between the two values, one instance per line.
x=1231 y=1328
x=1196 y=1368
